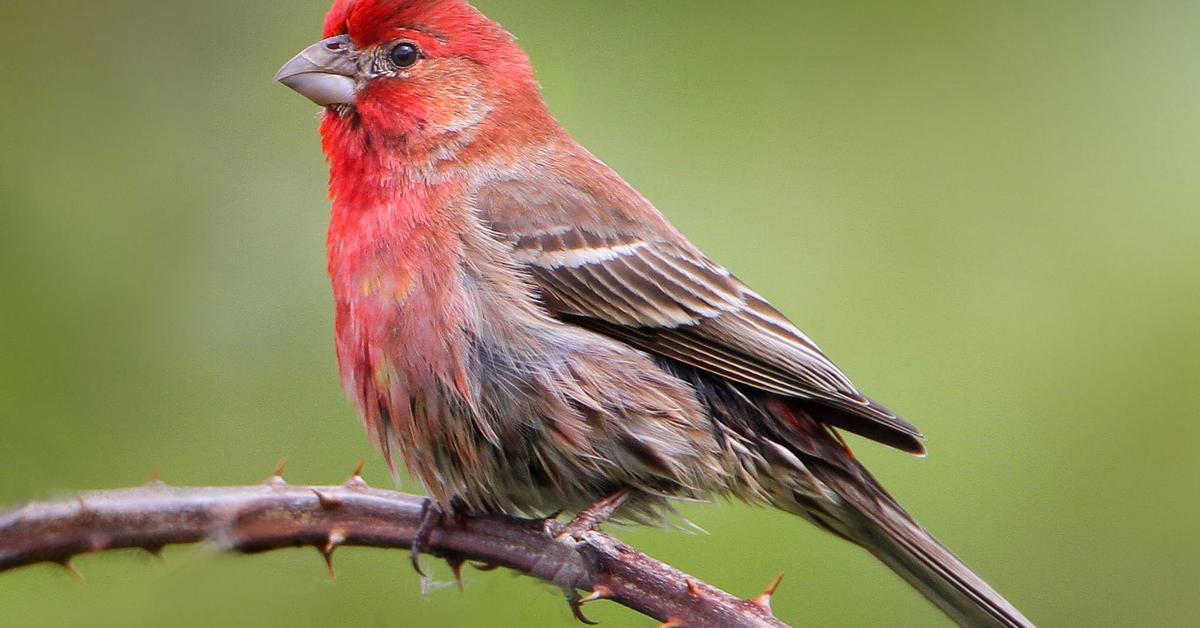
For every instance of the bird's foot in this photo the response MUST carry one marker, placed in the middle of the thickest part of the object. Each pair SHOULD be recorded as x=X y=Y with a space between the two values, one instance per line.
x=434 y=516
x=576 y=602
x=431 y=517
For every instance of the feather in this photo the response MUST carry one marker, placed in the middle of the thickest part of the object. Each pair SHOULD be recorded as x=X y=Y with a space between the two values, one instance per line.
x=635 y=278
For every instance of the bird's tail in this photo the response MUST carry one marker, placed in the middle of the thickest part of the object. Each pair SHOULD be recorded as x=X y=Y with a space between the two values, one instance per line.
x=868 y=516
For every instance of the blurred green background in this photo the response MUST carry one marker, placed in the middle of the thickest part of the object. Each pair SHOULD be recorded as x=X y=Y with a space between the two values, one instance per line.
x=988 y=213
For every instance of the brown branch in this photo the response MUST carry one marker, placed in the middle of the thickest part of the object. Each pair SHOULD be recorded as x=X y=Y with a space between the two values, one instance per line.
x=276 y=515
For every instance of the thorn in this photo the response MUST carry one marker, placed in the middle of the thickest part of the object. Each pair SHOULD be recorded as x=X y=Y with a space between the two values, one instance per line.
x=576 y=603
x=328 y=556
x=693 y=590
x=155 y=550
x=328 y=502
x=774 y=585
x=356 y=481
x=456 y=566
x=336 y=538
x=277 y=477
x=601 y=592
x=485 y=566
x=764 y=601
x=70 y=567
x=673 y=623
x=155 y=480
x=83 y=507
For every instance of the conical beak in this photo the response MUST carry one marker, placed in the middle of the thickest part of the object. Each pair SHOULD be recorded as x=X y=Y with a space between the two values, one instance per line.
x=324 y=72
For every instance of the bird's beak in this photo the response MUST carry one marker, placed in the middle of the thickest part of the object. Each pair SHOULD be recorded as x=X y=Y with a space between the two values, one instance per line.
x=324 y=72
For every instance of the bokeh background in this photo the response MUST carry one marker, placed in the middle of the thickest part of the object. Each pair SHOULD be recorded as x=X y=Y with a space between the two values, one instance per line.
x=988 y=213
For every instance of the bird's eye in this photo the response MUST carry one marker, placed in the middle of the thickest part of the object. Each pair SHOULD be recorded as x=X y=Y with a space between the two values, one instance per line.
x=405 y=55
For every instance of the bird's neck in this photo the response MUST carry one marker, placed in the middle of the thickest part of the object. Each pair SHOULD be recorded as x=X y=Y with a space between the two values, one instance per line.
x=395 y=260
x=394 y=242
x=373 y=159
x=401 y=202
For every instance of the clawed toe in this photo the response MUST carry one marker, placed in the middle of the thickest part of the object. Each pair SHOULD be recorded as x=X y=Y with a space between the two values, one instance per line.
x=431 y=518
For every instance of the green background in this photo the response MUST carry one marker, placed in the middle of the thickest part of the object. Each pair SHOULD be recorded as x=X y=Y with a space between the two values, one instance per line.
x=987 y=213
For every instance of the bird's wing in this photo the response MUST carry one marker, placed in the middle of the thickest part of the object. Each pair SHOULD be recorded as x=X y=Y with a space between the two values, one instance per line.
x=605 y=259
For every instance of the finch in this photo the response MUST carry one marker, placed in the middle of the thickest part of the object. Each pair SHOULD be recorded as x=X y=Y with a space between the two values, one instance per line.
x=530 y=335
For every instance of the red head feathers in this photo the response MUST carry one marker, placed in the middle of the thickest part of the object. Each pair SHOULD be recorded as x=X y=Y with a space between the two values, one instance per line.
x=428 y=68
x=457 y=27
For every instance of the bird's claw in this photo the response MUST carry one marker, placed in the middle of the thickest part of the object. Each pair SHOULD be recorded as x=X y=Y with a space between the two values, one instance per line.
x=431 y=518
x=577 y=602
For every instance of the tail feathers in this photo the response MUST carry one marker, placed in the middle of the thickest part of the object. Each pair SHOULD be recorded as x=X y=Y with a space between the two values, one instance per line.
x=876 y=522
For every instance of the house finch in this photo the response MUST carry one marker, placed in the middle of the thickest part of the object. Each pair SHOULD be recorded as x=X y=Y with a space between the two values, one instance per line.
x=531 y=335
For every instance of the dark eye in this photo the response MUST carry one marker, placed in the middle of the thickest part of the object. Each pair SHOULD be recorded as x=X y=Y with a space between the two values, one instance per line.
x=405 y=55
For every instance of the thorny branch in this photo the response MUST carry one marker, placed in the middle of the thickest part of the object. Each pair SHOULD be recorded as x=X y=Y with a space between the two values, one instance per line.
x=276 y=515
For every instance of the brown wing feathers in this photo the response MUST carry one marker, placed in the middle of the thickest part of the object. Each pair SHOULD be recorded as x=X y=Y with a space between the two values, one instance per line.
x=643 y=284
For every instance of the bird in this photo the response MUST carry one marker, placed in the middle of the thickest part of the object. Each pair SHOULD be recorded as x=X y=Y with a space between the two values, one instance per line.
x=528 y=334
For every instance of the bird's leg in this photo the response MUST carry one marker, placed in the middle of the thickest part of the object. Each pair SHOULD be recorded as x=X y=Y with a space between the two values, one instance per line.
x=590 y=518
x=586 y=521
x=431 y=518
x=459 y=511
